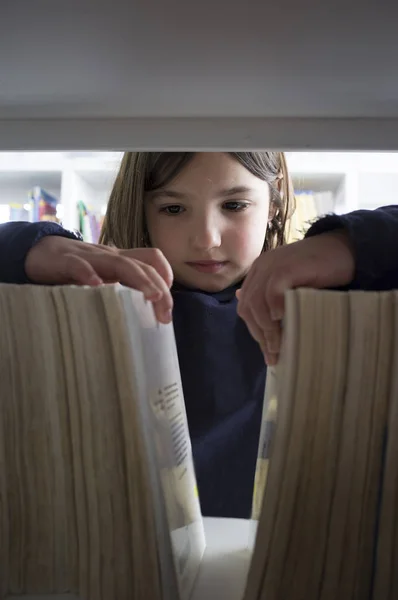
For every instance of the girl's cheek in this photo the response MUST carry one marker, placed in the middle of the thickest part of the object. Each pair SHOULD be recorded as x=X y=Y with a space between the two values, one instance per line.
x=245 y=245
x=251 y=235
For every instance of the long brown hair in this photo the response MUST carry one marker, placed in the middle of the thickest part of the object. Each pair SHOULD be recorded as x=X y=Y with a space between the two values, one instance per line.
x=141 y=172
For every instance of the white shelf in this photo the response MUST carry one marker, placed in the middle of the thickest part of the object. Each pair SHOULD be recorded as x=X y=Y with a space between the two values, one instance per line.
x=25 y=180
x=69 y=176
x=318 y=182
x=224 y=567
x=356 y=179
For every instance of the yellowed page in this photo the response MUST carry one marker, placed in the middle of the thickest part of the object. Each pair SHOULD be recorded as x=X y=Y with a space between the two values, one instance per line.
x=169 y=436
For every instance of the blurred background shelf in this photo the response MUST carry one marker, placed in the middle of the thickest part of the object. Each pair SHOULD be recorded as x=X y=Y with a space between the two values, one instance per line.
x=328 y=181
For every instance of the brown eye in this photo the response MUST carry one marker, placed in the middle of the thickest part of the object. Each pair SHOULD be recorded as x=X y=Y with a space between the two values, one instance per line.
x=172 y=209
x=235 y=206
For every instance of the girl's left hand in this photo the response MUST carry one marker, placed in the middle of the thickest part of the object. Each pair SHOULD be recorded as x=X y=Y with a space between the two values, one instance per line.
x=322 y=261
x=61 y=261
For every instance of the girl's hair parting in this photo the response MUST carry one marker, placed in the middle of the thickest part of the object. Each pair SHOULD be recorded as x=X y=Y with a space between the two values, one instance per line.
x=142 y=172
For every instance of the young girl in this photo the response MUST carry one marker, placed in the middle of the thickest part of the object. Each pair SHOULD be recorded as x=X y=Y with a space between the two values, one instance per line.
x=211 y=215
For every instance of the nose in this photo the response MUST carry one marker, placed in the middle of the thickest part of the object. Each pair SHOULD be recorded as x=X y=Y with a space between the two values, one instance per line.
x=206 y=233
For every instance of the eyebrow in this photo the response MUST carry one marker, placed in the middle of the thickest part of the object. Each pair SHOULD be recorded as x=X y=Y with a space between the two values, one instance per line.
x=168 y=194
x=238 y=189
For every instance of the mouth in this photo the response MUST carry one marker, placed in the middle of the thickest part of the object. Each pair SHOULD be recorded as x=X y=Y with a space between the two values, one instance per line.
x=208 y=266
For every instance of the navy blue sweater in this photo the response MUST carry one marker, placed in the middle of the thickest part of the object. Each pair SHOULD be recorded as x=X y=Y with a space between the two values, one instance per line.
x=222 y=369
x=223 y=375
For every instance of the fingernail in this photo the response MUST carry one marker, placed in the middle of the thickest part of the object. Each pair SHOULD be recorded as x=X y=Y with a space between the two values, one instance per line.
x=95 y=280
x=167 y=316
x=276 y=315
x=152 y=293
x=272 y=347
x=274 y=360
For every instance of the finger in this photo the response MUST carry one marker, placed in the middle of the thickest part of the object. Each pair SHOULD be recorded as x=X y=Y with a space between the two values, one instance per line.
x=164 y=304
x=246 y=287
x=250 y=280
x=162 y=315
x=273 y=338
x=137 y=275
x=155 y=290
x=77 y=270
x=257 y=312
x=142 y=277
x=155 y=258
x=251 y=290
x=253 y=328
x=277 y=287
x=115 y=267
x=271 y=359
x=255 y=307
x=155 y=277
x=270 y=330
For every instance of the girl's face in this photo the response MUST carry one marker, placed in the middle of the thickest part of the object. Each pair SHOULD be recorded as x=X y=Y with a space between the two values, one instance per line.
x=210 y=221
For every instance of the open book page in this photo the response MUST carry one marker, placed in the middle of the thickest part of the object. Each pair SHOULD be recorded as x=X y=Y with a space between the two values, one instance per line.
x=169 y=436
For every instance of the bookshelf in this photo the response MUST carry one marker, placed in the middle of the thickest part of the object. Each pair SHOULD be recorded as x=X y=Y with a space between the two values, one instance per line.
x=338 y=181
x=69 y=177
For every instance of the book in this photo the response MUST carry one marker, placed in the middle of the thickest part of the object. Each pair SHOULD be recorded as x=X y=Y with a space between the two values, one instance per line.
x=90 y=223
x=97 y=484
x=326 y=486
x=306 y=211
x=98 y=494
x=43 y=205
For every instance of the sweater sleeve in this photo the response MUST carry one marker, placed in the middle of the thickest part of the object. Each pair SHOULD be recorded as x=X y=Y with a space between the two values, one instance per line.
x=16 y=239
x=374 y=237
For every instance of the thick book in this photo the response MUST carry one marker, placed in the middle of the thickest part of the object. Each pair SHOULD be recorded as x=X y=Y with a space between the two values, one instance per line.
x=326 y=489
x=98 y=496
x=97 y=486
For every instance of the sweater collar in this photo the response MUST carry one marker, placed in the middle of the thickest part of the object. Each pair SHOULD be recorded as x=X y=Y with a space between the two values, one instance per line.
x=225 y=295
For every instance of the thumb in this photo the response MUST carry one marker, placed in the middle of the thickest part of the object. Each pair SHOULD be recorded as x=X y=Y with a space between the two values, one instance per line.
x=275 y=295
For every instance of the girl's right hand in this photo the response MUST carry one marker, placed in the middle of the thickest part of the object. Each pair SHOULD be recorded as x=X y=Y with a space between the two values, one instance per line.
x=323 y=261
x=59 y=260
